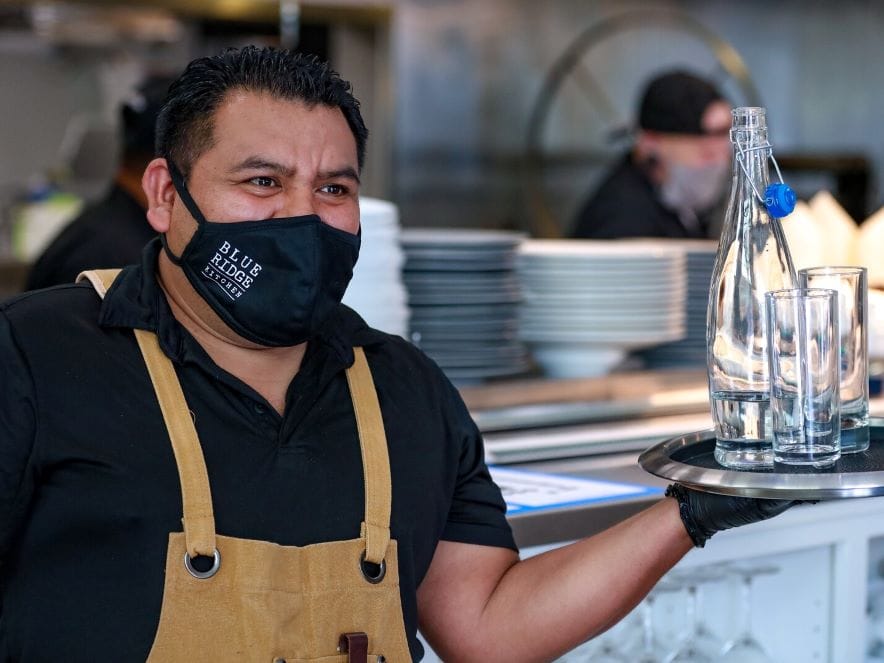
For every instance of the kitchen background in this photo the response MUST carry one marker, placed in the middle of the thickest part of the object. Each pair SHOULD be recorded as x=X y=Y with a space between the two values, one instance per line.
x=450 y=90
x=449 y=87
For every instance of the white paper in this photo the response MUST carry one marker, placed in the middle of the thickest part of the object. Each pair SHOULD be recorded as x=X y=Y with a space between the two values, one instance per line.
x=526 y=490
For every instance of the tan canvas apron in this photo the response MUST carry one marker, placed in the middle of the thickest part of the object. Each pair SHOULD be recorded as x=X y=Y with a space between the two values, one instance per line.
x=261 y=601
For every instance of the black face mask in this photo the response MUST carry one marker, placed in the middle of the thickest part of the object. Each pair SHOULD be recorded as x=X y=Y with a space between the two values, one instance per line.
x=273 y=282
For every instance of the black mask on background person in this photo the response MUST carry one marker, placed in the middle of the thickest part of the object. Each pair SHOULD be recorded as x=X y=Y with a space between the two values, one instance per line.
x=274 y=281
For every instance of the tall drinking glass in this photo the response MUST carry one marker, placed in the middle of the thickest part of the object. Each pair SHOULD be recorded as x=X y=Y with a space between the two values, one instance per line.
x=853 y=297
x=745 y=648
x=803 y=331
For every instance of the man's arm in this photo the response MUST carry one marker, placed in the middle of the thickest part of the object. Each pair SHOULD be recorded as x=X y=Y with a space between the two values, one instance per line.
x=479 y=603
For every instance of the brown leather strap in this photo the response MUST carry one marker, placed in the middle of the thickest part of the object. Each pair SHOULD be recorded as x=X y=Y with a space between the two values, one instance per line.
x=196 y=497
x=355 y=645
x=375 y=458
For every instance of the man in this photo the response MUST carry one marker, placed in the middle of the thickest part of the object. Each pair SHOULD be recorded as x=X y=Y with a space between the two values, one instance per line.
x=676 y=172
x=308 y=512
x=112 y=231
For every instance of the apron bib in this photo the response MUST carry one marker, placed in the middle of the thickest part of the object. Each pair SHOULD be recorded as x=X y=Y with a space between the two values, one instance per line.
x=332 y=602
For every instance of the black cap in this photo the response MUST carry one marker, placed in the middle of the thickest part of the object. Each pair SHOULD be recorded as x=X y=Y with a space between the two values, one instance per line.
x=675 y=102
x=139 y=116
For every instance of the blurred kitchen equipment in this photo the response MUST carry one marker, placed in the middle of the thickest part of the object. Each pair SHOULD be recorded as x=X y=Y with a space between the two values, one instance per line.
x=38 y=218
x=821 y=232
x=838 y=227
x=588 y=302
x=376 y=290
x=752 y=259
x=464 y=295
x=869 y=244
x=689 y=352
x=610 y=96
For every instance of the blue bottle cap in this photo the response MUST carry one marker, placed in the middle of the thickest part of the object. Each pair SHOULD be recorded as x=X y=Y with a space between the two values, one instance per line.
x=779 y=200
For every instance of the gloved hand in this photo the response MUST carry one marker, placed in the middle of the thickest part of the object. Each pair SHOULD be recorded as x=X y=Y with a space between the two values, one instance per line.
x=704 y=514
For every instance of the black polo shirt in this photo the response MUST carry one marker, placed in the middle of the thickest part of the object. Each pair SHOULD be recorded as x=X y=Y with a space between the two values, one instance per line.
x=626 y=204
x=89 y=488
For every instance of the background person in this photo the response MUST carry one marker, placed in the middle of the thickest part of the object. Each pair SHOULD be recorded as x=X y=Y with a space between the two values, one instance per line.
x=316 y=500
x=111 y=232
x=676 y=172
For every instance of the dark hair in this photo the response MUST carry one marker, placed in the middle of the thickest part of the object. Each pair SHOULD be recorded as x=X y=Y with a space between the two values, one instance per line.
x=185 y=124
x=674 y=102
x=138 y=120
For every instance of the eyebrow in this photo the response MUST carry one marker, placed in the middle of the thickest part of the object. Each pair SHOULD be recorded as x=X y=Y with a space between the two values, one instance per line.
x=259 y=163
x=346 y=172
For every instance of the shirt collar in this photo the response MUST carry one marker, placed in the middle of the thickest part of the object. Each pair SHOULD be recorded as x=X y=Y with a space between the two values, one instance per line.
x=136 y=301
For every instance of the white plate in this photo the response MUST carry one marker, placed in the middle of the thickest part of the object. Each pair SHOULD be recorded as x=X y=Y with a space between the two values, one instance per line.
x=602 y=249
x=625 y=340
x=603 y=282
x=575 y=360
x=582 y=316
x=505 y=279
x=612 y=333
x=609 y=325
x=459 y=237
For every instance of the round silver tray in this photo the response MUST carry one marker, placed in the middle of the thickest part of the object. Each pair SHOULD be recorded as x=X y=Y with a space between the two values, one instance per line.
x=688 y=459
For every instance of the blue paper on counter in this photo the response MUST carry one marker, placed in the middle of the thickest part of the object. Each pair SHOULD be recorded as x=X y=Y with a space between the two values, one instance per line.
x=527 y=491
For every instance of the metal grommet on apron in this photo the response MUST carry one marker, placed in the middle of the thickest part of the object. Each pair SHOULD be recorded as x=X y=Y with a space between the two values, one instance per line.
x=373 y=573
x=208 y=573
x=266 y=602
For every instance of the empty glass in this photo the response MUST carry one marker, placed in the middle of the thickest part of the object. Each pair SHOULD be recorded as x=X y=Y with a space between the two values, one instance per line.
x=699 y=644
x=853 y=296
x=745 y=648
x=804 y=347
x=649 y=649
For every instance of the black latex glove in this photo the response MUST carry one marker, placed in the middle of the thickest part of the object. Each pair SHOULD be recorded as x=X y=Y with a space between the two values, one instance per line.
x=704 y=514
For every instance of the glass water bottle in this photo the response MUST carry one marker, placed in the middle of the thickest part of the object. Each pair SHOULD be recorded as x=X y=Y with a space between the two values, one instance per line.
x=752 y=259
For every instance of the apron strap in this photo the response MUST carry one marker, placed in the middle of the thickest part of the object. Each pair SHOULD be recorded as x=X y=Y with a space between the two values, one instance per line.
x=196 y=497
x=101 y=279
x=375 y=459
x=199 y=520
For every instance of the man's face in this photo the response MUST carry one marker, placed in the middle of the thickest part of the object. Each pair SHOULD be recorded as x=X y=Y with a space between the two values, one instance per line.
x=273 y=158
x=712 y=148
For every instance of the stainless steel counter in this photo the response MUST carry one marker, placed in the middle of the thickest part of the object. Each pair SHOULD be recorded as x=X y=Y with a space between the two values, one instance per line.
x=616 y=446
x=567 y=524
x=591 y=428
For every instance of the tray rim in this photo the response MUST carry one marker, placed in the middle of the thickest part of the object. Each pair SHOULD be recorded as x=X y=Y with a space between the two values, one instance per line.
x=657 y=460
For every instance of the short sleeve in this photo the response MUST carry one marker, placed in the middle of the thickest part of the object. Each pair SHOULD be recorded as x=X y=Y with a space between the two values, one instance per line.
x=478 y=512
x=17 y=434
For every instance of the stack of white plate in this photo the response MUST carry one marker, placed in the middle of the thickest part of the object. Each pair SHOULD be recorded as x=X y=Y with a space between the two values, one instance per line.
x=376 y=291
x=690 y=352
x=587 y=303
x=464 y=296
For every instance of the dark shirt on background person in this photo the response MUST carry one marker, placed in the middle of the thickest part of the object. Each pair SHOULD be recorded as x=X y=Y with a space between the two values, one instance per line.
x=109 y=233
x=626 y=205
x=672 y=180
x=113 y=231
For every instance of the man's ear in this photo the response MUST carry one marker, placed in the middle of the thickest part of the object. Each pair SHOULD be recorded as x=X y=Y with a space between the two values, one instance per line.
x=160 y=192
x=647 y=144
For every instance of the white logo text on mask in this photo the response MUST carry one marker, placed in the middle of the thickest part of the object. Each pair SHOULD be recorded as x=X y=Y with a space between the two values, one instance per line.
x=232 y=270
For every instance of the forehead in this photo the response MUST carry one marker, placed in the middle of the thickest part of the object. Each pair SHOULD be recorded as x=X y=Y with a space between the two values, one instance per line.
x=717 y=117
x=251 y=120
